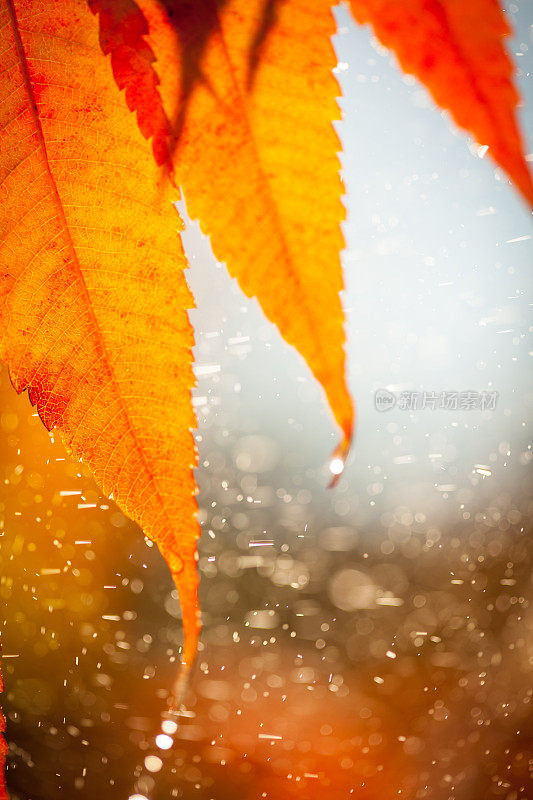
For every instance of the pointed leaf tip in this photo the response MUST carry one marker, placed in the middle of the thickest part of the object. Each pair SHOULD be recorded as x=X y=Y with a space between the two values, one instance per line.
x=337 y=461
x=186 y=579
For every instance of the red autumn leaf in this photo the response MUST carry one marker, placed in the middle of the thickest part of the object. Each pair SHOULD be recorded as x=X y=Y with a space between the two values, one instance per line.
x=122 y=36
x=456 y=48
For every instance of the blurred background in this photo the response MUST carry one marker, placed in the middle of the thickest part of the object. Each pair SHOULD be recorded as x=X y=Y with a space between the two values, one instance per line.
x=374 y=640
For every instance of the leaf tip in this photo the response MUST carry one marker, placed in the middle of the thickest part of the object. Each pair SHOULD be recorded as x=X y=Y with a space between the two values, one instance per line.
x=337 y=461
x=185 y=575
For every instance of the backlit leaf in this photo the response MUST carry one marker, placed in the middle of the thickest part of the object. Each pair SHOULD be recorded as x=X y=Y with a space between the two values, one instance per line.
x=256 y=156
x=93 y=304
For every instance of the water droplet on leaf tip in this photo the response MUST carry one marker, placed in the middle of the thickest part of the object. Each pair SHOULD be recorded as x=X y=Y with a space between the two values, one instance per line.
x=336 y=466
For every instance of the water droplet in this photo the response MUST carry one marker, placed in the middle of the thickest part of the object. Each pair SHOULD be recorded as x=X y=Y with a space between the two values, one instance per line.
x=169 y=726
x=163 y=741
x=336 y=466
x=153 y=763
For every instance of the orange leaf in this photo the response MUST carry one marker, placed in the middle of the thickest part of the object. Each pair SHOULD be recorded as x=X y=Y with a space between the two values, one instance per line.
x=256 y=155
x=456 y=48
x=93 y=309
